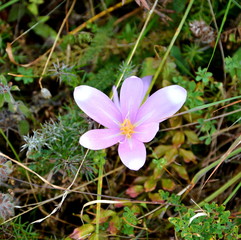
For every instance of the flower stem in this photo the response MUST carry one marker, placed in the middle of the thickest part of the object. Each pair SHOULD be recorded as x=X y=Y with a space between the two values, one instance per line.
x=99 y=190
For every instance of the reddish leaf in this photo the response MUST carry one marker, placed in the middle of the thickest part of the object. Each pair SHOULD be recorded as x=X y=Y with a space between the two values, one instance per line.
x=135 y=190
x=81 y=232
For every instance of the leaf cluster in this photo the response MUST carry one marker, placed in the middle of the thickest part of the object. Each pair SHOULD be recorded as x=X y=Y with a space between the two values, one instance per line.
x=213 y=223
x=55 y=146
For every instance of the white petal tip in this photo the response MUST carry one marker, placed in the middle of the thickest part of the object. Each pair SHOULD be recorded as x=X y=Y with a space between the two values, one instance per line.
x=84 y=141
x=177 y=94
x=133 y=165
x=82 y=93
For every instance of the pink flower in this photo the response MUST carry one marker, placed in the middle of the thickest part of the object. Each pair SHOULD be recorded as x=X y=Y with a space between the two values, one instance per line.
x=128 y=122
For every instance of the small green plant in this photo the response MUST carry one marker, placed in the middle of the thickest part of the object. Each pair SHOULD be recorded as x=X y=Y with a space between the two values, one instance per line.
x=130 y=220
x=194 y=97
x=6 y=96
x=207 y=127
x=232 y=64
x=65 y=73
x=128 y=33
x=25 y=75
x=233 y=67
x=172 y=199
x=203 y=75
x=160 y=162
x=23 y=231
x=193 y=54
x=58 y=141
x=212 y=222
x=5 y=91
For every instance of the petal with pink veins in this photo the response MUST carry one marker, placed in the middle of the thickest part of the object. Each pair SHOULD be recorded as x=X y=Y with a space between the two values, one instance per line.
x=100 y=138
x=131 y=97
x=97 y=106
x=132 y=153
x=162 y=104
x=146 y=132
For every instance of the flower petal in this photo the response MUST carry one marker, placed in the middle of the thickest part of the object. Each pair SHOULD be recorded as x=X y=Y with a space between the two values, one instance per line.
x=132 y=153
x=146 y=132
x=131 y=96
x=100 y=138
x=116 y=99
x=97 y=106
x=162 y=104
x=146 y=83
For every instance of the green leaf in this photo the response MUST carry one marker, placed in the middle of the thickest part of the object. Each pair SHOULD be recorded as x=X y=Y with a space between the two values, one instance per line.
x=187 y=155
x=33 y=9
x=24 y=109
x=105 y=215
x=191 y=136
x=27 y=75
x=8 y=97
x=1 y=100
x=233 y=65
x=155 y=197
x=181 y=171
x=43 y=29
x=150 y=184
x=161 y=150
x=15 y=88
x=168 y=184
x=16 y=13
x=23 y=127
x=3 y=80
x=82 y=231
x=178 y=138
x=171 y=155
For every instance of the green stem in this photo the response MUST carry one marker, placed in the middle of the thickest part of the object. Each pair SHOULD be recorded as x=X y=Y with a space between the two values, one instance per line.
x=232 y=194
x=202 y=172
x=141 y=35
x=221 y=189
x=236 y=3
x=179 y=28
x=10 y=145
x=220 y=31
x=99 y=190
x=9 y=3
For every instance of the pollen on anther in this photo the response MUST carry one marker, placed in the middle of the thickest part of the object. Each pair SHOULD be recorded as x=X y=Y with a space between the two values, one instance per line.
x=127 y=128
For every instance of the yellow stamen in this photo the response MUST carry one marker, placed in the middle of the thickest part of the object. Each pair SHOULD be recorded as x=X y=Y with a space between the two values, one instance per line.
x=127 y=128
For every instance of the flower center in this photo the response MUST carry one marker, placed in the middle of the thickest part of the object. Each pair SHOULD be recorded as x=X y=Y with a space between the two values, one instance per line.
x=127 y=128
